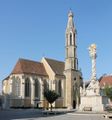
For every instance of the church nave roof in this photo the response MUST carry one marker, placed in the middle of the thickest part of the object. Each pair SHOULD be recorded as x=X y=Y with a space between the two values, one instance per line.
x=29 y=67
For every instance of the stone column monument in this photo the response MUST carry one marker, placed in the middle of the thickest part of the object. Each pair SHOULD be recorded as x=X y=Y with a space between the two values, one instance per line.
x=93 y=88
x=91 y=98
x=92 y=52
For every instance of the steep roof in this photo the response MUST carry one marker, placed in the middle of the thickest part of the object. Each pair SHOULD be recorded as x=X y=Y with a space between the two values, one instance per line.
x=56 y=66
x=29 y=67
x=6 y=78
x=105 y=80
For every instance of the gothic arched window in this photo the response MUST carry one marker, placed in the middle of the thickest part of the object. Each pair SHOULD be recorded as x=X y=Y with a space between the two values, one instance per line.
x=67 y=52
x=16 y=86
x=70 y=38
x=66 y=39
x=74 y=39
x=27 y=87
x=46 y=85
x=59 y=88
x=37 y=88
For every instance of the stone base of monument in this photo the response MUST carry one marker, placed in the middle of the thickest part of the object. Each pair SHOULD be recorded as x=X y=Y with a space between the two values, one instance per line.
x=93 y=103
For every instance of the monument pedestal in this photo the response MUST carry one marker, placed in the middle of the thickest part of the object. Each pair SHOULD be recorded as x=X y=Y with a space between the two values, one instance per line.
x=96 y=103
x=92 y=99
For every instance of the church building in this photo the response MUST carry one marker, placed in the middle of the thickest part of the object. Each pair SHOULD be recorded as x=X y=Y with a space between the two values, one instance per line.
x=25 y=85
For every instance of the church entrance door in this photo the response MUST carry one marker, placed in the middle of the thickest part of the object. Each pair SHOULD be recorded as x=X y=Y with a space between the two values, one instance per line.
x=74 y=104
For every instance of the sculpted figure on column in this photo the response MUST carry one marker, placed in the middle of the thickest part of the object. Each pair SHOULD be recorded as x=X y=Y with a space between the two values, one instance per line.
x=93 y=88
x=92 y=52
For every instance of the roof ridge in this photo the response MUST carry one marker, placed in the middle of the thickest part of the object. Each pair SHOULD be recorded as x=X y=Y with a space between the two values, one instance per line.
x=29 y=60
x=54 y=59
x=107 y=76
x=56 y=66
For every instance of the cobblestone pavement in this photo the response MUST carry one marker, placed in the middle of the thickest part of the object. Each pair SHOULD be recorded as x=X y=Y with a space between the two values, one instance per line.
x=69 y=117
x=37 y=115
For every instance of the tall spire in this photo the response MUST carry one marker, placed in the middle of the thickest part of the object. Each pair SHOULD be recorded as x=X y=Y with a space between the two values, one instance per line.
x=71 y=57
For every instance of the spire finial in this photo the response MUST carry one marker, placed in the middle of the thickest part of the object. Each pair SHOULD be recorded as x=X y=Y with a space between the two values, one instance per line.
x=70 y=14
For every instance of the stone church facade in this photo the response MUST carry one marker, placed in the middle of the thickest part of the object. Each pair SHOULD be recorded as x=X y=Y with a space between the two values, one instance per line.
x=25 y=85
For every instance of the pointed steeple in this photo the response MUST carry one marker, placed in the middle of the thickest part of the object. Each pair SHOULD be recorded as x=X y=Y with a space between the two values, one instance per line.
x=71 y=57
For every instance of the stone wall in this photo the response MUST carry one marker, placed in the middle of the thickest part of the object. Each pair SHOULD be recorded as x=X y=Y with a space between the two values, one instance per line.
x=97 y=103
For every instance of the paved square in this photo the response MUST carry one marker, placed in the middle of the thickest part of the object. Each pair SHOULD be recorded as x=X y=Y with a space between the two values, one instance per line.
x=37 y=115
x=68 y=117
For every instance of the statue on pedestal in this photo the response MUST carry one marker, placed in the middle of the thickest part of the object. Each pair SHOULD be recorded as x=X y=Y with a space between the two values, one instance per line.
x=90 y=96
x=93 y=88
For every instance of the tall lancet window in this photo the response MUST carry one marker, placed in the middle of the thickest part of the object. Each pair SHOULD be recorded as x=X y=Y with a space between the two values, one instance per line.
x=74 y=39
x=59 y=88
x=67 y=52
x=70 y=38
x=27 y=87
x=46 y=85
x=37 y=88
x=66 y=39
x=16 y=86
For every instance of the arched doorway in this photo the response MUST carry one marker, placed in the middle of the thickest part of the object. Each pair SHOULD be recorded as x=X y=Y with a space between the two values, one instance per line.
x=74 y=104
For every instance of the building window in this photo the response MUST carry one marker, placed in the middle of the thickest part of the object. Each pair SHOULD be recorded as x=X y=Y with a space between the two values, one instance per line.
x=74 y=39
x=37 y=88
x=59 y=88
x=66 y=39
x=27 y=87
x=46 y=85
x=16 y=86
x=70 y=38
x=66 y=52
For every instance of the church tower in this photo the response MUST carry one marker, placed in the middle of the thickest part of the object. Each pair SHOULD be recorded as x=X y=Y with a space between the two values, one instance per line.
x=73 y=76
x=71 y=58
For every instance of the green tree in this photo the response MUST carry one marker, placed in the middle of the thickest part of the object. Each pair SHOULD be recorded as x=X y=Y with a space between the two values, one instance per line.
x=50 y=96
x=108 y=92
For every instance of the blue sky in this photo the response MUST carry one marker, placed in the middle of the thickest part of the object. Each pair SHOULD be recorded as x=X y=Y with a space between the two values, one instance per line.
x=32 y=29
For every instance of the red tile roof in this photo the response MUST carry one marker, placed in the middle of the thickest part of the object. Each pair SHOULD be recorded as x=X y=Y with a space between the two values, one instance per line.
x=56 y=66
x=29 y=67
x=105 y=80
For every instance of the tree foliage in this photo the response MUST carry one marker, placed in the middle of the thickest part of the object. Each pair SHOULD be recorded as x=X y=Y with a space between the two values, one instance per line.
x=108 y=92
x=50 y=96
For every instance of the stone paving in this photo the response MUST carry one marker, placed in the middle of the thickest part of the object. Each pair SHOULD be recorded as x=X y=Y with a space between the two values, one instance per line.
x=31 y=114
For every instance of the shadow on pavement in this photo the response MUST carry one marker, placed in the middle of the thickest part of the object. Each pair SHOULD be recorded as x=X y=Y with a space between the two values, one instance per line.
x=24 y=114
